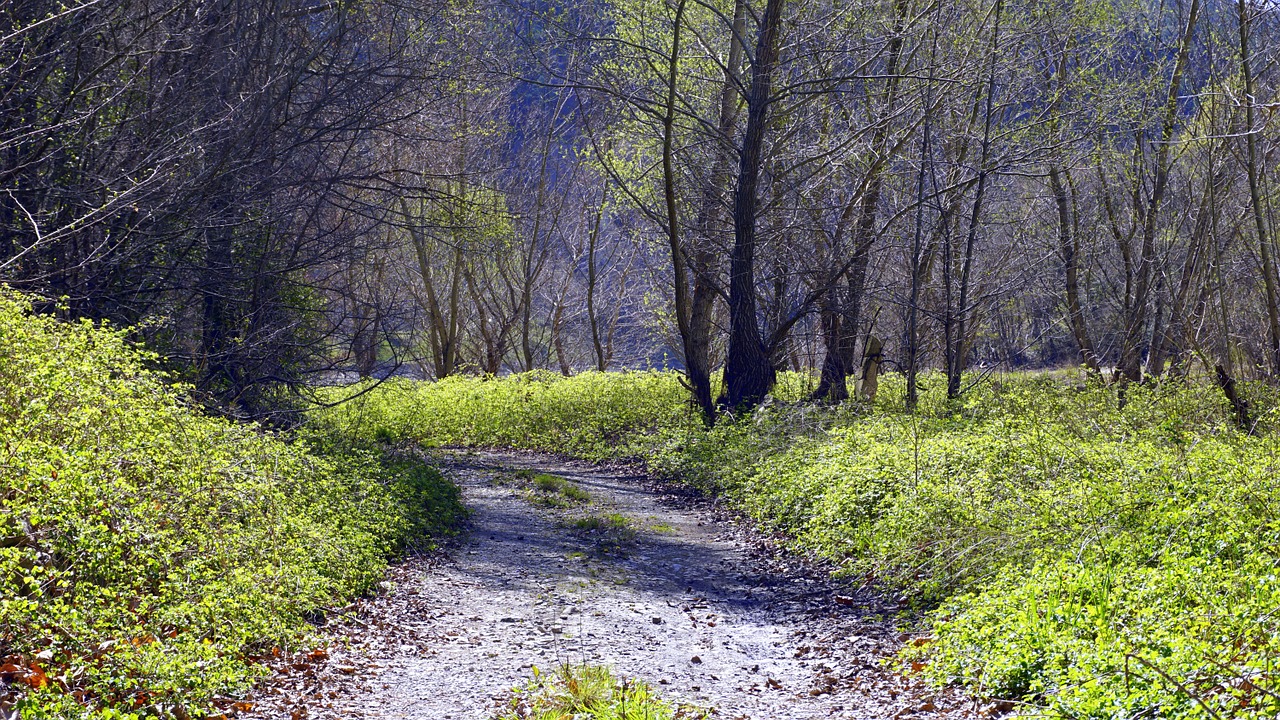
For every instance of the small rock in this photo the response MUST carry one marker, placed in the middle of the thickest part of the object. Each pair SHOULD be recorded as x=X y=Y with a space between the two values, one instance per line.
x=657 y=621
x=695 y=660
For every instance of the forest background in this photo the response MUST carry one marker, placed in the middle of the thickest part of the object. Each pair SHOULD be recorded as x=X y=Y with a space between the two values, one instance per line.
x=276 y=195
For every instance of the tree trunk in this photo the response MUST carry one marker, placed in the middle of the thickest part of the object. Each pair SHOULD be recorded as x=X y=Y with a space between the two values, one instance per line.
x=1136 y=320
x=592 y=280
x=960 y=336
x=1069 y=249
x=705 y=287
x=871 y=360
x=832 y=385
x=749 y=375
x=1255 y=192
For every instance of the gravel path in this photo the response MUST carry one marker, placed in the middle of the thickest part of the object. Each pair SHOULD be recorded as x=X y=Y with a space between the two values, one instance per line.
x=697 y=604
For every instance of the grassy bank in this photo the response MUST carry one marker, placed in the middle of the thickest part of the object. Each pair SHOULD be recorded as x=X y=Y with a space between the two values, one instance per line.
x=1086 y=558
x=148 y=553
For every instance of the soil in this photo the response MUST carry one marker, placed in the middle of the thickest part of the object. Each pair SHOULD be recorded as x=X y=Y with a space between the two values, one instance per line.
x=686 y=597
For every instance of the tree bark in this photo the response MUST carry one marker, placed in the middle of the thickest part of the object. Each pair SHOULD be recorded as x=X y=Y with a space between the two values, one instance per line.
x=705 y=286
x=1136 y=320
x=1069 y=249
x=960 y=337
x=592 y=280
x=1255 y=192
x=749 y=375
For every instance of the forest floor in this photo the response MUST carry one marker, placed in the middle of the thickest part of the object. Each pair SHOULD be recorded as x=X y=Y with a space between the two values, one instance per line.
x=680 y=593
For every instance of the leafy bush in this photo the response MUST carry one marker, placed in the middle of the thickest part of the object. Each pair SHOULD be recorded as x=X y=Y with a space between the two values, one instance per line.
x=149 y=552
x=1093 y=558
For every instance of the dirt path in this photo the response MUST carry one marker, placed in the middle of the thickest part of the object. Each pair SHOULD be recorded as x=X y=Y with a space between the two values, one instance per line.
x=694 y=603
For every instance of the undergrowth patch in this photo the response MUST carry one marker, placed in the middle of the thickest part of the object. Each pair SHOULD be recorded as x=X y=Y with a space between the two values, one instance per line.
x=150 y=553
x=609 y=533
x=555 y=491
x=591 y=692
x=1086 y=557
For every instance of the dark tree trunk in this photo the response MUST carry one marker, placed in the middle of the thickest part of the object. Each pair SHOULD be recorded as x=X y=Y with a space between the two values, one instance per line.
x=703 y=260
x=1239 y=406
x=748 y=373
x=832 y=385
x=1255 y=192
x=961 y=329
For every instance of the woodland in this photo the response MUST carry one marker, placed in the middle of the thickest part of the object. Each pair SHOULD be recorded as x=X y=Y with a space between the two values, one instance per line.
x=975 y=300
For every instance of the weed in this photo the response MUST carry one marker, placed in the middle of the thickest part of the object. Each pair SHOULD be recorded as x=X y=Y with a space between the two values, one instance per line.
x=590 y=692
x=609 y=532
x=555 y=491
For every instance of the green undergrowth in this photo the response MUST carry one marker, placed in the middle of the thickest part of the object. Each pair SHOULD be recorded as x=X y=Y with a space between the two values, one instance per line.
x=589 y=415
x=609 y=533
x=555 y=491
x=591 y=692
x=545 y=489
x=1087 y=557
x=150 y=553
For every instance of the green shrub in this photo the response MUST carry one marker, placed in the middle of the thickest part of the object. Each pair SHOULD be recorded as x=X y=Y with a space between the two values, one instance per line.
x=147 y=551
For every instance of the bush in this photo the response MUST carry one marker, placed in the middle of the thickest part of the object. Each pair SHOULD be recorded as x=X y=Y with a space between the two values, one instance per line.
x=149 y=552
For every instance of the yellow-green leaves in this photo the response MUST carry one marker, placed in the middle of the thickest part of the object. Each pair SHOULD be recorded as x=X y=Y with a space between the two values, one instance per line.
x=146 y=548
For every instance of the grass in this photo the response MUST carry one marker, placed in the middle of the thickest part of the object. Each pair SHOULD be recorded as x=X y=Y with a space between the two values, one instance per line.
x=555 y=491
x=589 y=692
x=608 y=532
x=150 y=553
x=546 y=489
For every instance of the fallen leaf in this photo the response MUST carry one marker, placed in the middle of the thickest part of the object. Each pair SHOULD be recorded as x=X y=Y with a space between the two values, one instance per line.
x=35 y=677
